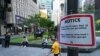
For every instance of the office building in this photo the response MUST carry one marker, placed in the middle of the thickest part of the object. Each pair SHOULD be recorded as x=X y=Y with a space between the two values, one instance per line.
x=16 y=11
x=47 y=4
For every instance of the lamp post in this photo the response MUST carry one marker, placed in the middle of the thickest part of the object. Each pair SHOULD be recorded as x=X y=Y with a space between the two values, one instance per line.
x=62 y=9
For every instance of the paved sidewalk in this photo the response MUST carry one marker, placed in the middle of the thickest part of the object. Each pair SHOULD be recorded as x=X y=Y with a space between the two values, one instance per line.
x=21 y=51
x=33 y=51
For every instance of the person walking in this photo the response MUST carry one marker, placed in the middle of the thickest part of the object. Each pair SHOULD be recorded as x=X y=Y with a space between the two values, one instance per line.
x=25 y=41
x=55 y=48
x=7 y=39
x=44 y=43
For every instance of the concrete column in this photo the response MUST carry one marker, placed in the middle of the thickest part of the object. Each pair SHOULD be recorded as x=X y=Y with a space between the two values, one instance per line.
x=3 y=30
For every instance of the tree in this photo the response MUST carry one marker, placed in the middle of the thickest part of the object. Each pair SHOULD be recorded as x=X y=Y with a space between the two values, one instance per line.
x=39 y=22
x=89 y=8
x=97 y=25
x=45 y=23
x=32 y=19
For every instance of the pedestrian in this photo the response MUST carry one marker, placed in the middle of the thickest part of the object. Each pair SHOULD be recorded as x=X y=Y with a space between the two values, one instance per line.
x=25 y=41
x=55 y=48
x=7 y=39
x=44 y=43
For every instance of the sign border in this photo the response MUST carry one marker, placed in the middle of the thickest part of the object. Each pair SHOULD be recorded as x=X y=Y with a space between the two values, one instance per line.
x=92 y=29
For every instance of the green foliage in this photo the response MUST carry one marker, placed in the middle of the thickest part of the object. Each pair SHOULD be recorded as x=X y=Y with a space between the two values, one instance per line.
x=42 y=22
x=97 y=25
x=31 y=20
x=89 y=8
x=17 y=40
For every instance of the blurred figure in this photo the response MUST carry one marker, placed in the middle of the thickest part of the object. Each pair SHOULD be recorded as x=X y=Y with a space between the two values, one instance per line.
x=7 y=39
x=55 y=48
x=25 y=41
x=44 y=43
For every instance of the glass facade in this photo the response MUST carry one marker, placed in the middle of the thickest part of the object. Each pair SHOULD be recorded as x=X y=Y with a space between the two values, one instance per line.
x=47 y=4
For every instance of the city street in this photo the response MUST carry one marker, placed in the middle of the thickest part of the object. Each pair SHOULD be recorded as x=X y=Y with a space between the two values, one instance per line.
x=32 y=51
x=70 y=25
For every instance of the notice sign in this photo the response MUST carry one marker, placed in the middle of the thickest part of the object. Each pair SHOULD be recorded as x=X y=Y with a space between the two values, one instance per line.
x=77 y=30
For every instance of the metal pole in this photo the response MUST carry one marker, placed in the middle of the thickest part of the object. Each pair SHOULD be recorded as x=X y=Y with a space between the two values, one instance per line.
x=72 y=7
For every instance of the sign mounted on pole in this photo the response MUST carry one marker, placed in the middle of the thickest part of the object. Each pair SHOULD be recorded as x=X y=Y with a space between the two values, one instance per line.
x=77 y=30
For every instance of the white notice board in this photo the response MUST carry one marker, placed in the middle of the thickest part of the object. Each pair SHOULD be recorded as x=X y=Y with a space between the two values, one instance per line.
x=77 y=30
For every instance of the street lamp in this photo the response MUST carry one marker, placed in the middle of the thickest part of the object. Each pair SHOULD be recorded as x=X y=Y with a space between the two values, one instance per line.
x=62 y=6
x=72 y=6
x=62 y=10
